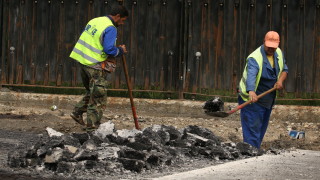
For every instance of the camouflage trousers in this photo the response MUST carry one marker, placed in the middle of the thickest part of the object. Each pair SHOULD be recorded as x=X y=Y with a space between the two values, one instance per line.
x=95 y=100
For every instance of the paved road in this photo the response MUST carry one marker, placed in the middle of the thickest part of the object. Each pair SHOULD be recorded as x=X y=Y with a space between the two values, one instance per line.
x=299 y=164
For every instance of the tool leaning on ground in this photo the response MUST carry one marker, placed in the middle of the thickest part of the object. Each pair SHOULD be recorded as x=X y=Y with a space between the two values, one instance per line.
x=226 y=114
x=135 y=117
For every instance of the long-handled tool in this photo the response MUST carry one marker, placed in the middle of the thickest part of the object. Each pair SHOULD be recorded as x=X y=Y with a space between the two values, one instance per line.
x=226 y=114
x=135 y=117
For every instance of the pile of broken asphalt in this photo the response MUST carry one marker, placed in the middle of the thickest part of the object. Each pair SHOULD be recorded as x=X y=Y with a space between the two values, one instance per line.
x=108 y=152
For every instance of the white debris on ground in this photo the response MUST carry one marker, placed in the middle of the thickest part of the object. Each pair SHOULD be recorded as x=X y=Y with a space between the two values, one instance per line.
x=52 y=132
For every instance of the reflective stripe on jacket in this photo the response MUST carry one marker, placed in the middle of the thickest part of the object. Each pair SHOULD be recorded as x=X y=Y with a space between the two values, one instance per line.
x=89 y=50
x=257 y=56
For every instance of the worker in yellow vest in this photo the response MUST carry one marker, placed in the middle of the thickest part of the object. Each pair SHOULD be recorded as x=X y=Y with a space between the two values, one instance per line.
x=95 y=51
x=265 y=68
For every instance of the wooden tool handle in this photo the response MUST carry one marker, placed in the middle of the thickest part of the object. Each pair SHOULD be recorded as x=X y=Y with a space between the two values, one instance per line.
x=135 y=117
x=250 y=101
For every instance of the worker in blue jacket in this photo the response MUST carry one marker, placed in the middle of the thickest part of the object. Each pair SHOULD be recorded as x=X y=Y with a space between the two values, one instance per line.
x=265 y=68
x=95 y=52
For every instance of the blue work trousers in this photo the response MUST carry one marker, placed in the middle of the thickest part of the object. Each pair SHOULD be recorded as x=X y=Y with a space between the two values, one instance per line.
x=254 y=122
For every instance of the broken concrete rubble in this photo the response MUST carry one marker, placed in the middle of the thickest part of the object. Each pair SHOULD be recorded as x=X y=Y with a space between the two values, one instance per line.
x=120 y=150
x=52 y=132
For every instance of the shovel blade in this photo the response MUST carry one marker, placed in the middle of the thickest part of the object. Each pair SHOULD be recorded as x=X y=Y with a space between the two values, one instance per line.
x=217 y=114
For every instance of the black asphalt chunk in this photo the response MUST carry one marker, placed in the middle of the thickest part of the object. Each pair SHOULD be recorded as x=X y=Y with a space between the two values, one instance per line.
x=152 y=148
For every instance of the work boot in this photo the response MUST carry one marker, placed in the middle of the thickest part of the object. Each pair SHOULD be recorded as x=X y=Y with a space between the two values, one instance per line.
x=261 y=152
x=77 y=117
x=97 y=124
x=90 y=128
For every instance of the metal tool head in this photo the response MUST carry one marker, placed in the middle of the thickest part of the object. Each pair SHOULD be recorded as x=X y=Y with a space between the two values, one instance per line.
x=217 y=114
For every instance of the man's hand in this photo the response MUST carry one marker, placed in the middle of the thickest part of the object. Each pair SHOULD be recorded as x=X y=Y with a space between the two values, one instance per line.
x=123 y=48
x=253 y=96
x=278 y=85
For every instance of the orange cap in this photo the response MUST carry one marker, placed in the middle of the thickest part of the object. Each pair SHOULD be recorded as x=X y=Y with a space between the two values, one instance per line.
x=272 y=39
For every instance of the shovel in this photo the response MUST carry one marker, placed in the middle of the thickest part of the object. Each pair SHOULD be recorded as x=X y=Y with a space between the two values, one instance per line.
x=226 y=114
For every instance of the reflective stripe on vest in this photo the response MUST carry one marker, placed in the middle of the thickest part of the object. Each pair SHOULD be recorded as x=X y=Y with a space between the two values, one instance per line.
x=259 y=59
x=89 y=50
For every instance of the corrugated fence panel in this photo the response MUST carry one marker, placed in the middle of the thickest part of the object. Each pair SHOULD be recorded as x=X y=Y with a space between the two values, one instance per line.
x=316 y=49
x=43 y=64
x=2 y=38
x=128 y=38
x=176 y=45
x=236 y=63
x=309 y=41
x=228 y=46
x=293 y=55
x=140 y=69
x=149 y=38
x=155 y=64
x=171 y=53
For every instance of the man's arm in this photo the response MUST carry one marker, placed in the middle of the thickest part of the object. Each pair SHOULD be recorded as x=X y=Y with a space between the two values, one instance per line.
x=279 y=83
x=108 y=41
x=283 y=75
x=253 y=69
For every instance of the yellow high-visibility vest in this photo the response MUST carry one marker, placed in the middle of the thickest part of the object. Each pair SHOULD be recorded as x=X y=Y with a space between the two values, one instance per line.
x=89 y=50
x=259 y=59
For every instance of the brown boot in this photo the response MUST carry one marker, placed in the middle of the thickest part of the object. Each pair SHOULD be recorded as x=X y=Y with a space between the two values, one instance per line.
x=90 y=128
x=77 y=117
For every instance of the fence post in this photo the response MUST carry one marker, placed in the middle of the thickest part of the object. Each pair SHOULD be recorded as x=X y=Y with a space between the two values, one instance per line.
x=11 y=74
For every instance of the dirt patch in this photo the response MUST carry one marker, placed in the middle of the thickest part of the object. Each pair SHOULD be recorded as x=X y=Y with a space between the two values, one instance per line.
x=35 y=119
x=12 y=116
x=25 y=122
